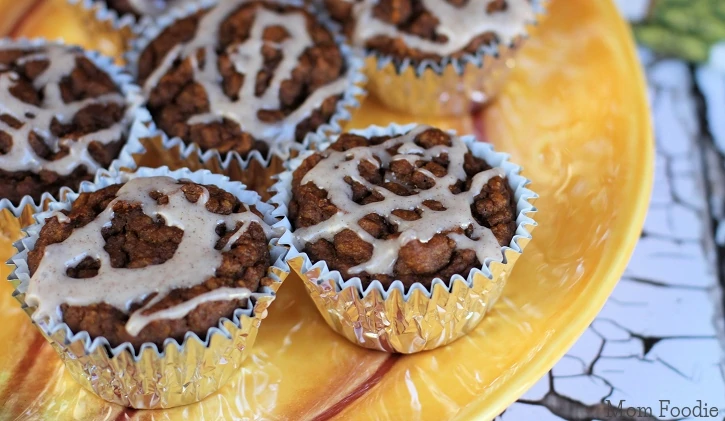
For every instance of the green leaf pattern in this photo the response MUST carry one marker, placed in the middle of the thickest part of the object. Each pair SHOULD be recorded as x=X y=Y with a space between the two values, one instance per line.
x=683 y=28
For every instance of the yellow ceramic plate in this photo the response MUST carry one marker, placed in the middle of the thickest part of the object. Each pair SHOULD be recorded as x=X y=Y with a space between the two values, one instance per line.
x=574 y=114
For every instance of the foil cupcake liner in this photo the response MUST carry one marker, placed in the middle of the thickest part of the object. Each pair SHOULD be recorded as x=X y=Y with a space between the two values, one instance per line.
x=149 y=147
x=446 y=87
x=350 y=101
x=20 y=215
x=179 y=373
x=395 y=320
x=108 y=31
x=114 y=31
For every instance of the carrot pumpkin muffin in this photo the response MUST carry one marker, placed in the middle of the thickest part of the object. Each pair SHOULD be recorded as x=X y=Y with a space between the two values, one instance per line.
x=62 y=117
x=407 y=233
x=412 y=207
x=243 y=75
x=436 y=57
x=151 y=259
x=432 y=29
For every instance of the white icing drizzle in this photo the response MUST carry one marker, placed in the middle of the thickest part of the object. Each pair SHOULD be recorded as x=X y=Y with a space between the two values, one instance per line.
x=248 y=60
x=194 y=261
x=385 y=252
x=459 y=24
x=22 y=157
x=138 y=320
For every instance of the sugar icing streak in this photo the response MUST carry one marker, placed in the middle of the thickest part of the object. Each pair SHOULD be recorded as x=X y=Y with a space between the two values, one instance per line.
x=385 y=252
x=195 y=259
x=460 y=25
x=22 y=157
x=247 y=59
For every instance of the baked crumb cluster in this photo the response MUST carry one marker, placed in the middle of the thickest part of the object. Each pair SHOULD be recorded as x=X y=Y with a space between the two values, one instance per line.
x=413 y=207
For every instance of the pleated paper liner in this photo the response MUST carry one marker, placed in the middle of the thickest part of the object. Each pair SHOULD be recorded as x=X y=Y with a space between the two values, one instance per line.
x=395 y=320
x=179 y=373
x=447 y=87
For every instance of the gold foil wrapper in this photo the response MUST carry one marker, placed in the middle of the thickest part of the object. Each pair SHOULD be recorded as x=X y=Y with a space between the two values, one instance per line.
x=255 y=172
x=149 y=147
x=448 y=87
x=108 y=32
x=452 y=91
x=177 y=374
x=409 y=324
x=13 y=219
x=392 y=319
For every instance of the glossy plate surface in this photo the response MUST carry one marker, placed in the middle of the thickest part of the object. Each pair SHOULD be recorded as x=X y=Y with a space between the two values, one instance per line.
x=574 y=115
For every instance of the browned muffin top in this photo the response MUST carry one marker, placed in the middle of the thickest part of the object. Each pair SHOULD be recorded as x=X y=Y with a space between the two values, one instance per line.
x=148 y=260
x=243 y=75
x=413 y=207
x=431 y=29
x=61 y=118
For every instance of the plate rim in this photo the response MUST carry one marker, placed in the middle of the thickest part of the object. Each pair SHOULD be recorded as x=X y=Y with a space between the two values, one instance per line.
x=559 y=343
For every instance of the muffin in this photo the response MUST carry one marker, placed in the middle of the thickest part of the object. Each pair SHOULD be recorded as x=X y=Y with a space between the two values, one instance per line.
x=154 y=261
x=432 y=210
x=245 y=76
x=409 y=210
x=462 y=46
x=64 y=114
